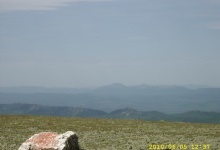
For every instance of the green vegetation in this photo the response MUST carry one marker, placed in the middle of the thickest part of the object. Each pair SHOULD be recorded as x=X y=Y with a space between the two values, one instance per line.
x=108 y=134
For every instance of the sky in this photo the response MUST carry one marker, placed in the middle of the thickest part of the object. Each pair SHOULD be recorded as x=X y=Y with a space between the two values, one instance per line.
x=88 y=43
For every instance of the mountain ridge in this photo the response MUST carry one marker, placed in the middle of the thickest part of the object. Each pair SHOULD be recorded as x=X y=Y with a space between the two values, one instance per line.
x=125 y=113
x=166 y=99
x=42 y=89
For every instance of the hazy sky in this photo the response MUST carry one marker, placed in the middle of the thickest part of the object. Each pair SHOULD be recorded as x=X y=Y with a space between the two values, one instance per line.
x=86 y=43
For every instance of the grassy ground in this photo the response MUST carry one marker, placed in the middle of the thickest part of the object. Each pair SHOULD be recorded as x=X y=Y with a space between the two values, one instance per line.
x=111 y=134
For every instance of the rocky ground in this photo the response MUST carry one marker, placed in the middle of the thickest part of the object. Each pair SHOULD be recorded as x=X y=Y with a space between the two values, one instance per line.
x=112 y=134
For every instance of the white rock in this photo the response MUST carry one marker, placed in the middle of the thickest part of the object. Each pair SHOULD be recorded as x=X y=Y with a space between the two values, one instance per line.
x=51 y=141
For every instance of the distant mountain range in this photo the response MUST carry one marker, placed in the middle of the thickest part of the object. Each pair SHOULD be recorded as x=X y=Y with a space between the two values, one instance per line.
x=128 y=113
x=166 y=99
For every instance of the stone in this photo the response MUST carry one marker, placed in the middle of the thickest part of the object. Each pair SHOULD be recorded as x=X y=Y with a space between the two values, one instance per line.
x=51 y=141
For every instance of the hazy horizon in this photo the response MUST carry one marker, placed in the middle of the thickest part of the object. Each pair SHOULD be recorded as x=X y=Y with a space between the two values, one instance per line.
x=189 y=86
x=92 y=43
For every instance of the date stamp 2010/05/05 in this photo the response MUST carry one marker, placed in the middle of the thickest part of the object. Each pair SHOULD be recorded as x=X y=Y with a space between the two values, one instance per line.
x=179 y=146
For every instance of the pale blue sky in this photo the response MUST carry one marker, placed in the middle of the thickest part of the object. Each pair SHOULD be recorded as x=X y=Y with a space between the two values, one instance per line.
x=87 y=43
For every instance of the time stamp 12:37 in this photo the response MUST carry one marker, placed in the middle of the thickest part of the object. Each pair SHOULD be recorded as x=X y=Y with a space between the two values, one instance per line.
x=179 y=146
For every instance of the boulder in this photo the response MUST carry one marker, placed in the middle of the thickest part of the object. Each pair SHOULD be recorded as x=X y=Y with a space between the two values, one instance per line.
x=51 y=141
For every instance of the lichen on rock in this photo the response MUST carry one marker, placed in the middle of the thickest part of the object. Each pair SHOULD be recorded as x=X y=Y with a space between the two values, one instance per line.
x=51 y=141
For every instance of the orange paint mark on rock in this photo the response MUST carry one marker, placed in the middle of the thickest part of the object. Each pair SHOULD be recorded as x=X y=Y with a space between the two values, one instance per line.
x=44 y=139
